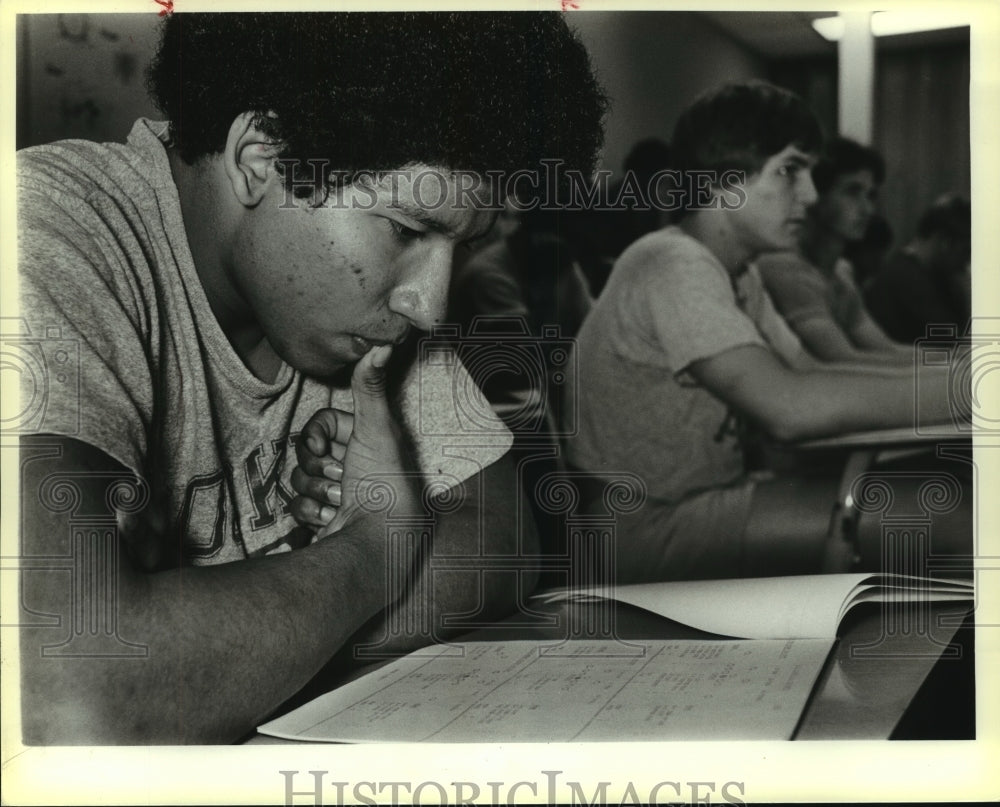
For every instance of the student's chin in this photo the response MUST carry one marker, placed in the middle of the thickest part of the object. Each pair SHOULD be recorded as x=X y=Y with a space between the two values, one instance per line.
x=339 y=377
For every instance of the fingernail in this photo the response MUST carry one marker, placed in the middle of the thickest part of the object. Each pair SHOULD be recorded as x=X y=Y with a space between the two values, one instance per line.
x=326 y=514
x=315 y=445
x=332 y=471
x=380 y=355
x=333 y=495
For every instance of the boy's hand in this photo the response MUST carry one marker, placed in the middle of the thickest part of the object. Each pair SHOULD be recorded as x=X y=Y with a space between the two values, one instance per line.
x=337 y=450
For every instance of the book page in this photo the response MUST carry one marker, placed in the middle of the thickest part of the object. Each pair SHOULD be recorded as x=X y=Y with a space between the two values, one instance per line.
x=529 y=691
x=794 y=607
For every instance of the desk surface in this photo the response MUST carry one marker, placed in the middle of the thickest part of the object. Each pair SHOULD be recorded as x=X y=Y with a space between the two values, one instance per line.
x=886 y=438
x=867 y=684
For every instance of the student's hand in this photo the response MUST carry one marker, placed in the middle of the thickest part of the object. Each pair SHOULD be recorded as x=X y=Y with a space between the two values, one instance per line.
x=341 y=455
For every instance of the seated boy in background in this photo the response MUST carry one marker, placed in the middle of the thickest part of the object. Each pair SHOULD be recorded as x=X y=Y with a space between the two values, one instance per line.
x=234 y=283
x=928 y=281
x=813 y=285
x=684 y=348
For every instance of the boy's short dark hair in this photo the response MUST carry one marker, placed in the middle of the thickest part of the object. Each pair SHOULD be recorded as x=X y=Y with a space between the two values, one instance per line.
x=845 y=156
x=739 y=126
x=647 y=157
x=377 y=91
x=950 y=216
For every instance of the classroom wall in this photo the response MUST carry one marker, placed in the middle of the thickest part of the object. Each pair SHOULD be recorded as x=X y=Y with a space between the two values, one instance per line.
x=82 y=75
x=922 y=130
x=652 y=64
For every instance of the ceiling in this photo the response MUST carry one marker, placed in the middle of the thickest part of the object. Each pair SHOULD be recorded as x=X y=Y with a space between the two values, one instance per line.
x=774 y=34
x=784 y=34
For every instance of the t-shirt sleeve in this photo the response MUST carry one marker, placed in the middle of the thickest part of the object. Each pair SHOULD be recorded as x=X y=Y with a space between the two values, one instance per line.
x=689 y=306
x=773 y=327
x=797 y=297
x=848 y=296
x=84 y=368
x=454 y=430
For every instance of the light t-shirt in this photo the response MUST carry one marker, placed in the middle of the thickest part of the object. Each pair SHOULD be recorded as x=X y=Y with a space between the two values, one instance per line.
x=801 y=292
x=130 y=359
x=668 y=303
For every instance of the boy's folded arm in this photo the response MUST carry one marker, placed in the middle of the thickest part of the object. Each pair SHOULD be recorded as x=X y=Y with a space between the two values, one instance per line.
x=224 y=645
x=869 y=336
x=825 y=339
x=482 y=529
x=793 y=405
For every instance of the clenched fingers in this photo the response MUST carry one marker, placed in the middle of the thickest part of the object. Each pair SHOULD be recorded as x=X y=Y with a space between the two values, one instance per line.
x=310 y=513
x=323 y=490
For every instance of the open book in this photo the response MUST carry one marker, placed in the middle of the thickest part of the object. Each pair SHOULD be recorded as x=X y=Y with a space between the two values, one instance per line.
x=800 y=607
x=753 y=688
x=577 y=691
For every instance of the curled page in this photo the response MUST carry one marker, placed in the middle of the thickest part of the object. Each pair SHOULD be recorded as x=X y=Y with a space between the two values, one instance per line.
x=794 y=607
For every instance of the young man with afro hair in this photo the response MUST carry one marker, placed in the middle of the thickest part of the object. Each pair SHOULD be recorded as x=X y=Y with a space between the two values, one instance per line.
x=242 y=288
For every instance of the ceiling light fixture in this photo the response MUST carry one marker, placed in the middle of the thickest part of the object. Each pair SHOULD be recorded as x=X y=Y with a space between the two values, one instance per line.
x=889 y=23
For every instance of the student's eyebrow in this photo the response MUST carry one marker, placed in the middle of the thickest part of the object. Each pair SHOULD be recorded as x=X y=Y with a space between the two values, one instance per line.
x=421 y=216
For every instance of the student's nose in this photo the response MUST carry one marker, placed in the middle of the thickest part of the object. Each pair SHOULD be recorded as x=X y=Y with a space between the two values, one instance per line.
x=807 y=190
x=422 y=293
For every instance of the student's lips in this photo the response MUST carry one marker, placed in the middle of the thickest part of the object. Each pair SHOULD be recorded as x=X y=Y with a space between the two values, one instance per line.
x=362 y=344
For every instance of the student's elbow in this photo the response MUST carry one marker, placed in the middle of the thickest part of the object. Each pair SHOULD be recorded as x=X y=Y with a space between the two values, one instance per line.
x=62 y=705
x=790 y=430
x=786 y=423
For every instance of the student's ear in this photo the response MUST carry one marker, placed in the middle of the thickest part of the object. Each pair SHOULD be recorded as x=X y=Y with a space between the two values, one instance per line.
x=249 y=160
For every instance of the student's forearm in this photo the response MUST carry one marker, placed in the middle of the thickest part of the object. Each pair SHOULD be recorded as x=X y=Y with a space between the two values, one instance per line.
x=459 y=575
x=868 y=336
x=805 y=362
x=878 y=369
x=817 y=405
x=444 y=603
x=225 y=645
x=887 y=357
x=890 y=358
x=791 y=405
x=830 y=345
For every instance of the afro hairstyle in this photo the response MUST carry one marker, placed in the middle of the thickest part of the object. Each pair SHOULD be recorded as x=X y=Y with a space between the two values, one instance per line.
x=368 y=92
